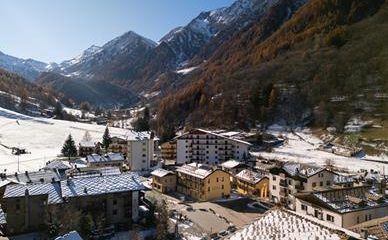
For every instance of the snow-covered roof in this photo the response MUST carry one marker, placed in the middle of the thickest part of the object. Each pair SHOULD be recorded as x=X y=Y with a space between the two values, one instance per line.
x=250 y=176
x=279 y=224
x=302 y=170
x=41 y=176
x=217 y=135
x=345 y=200
x=73 y=235
x=101 y=185
x=58 y=164
x=196 y=170
x=109 y=157
x=93 y=172
x=231 y=164
x=130 y=135
x=160 y=172
x=52 y=190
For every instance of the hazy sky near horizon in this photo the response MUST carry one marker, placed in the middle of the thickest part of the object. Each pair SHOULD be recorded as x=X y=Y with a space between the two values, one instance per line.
x=57 y=30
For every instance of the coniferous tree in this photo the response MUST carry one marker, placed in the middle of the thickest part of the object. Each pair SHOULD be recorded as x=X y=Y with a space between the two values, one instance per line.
x=106 y=139
x=69 y=149
x=58 y=111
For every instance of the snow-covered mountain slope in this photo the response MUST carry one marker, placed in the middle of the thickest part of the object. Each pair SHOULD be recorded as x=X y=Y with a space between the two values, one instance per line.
x=27 y=68
x=87 y=63
x=41 y=137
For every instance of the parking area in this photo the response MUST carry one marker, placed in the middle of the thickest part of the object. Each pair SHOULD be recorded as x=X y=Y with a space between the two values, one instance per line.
x=212 y=217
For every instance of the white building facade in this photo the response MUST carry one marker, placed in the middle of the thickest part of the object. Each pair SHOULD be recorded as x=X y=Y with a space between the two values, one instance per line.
x=207 y=147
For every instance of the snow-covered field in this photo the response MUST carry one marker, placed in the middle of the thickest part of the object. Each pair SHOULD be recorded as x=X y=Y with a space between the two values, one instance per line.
x=42 y=137
x=303 y=148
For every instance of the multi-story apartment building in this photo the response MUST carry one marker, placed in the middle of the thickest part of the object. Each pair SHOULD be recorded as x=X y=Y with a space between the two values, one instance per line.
x=252 y=183
x=202 y=182
x=114 y=199
x=106 y=160
x=137 y=147
x=208 y=147
x=291 y=178
x=344 y=207
x=163 y=180
x=168 y=152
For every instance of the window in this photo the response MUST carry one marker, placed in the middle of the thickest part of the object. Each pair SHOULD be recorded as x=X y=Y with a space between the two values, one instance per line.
x=222 y=187
x=273 y=187
x=370 y=216
x=217 y=179
x=115 y=202
x=366 y=217
x=144 y=155
x=321 y=184
x=222 y=179
x=304 y=207
x=274 y=178
x=114 y=212
x=358 y=219
x=208 y=181
x=314 y=184
x=329 y=218
x=208 y=189
x=327 y=183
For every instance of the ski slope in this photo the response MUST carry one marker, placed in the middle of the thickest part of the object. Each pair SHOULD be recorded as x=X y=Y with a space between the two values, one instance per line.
x=42 y=137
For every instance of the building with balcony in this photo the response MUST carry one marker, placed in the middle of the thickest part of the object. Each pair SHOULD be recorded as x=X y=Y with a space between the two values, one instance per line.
x=252 y=183
x=344 y=207
x=163 y=180
x=291 y=178
x=202 y=182
x=209 y=147
x=168 y=152
x=136 y=147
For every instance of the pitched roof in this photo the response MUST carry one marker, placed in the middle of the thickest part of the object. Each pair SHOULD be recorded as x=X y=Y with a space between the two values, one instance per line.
x=214 y=134
x=196 y=170
x=52 y=190
x=101 y=185
x=231 y=164
x=160 y=172
x=250 y=176
x=58 y=164
x=280 y=224
x=41 y=176
x=109 y=157
x=344 y=200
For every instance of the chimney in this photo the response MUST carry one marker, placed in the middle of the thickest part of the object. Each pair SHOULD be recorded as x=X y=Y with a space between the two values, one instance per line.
x=364 y=233
x=26 y=172
x=16 y=174
x=85 y=190
x=152 y=135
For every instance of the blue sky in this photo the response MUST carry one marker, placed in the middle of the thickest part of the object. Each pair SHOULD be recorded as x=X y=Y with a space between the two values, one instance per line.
x=56 y=30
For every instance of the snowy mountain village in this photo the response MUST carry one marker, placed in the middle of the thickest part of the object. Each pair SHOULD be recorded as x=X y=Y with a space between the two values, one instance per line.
x=86 y=181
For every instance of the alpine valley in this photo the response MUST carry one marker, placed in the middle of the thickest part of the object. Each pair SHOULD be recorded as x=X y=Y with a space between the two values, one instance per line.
x=256 y=61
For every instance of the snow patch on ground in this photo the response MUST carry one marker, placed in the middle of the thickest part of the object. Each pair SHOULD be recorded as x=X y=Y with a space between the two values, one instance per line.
x=185 y=71
x=42 y=137
x=301 y=146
